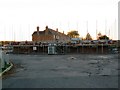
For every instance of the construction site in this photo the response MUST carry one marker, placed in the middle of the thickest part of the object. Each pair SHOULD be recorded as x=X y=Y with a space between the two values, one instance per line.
x=81 y=65
x=63 y=48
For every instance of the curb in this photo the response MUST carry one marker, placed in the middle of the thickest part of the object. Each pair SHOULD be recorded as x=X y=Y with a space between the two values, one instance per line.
x=7 y=69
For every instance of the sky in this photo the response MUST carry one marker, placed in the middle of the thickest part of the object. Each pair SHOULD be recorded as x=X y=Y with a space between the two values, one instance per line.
x=19 y=18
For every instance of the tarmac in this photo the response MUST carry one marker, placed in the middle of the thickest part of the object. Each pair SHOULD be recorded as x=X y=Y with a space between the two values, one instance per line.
x=63 y=71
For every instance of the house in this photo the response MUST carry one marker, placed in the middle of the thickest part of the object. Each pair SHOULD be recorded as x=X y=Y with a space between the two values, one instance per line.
x=49 y=35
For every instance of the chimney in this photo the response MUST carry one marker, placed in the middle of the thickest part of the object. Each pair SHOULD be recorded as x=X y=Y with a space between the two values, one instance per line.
x=63 y=32
x=46 y=30
x=57 y=29
x=37 y=30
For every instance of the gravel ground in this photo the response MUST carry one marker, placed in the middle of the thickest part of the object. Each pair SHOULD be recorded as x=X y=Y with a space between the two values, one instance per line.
x=62 y=71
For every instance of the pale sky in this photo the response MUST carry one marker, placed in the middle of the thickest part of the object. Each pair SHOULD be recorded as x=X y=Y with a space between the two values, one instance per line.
x=19 y=18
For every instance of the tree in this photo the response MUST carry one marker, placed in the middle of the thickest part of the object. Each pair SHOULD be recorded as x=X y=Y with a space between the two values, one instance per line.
x=99 y=35
x=88 y=37
x=73 y=34
x=103 y=37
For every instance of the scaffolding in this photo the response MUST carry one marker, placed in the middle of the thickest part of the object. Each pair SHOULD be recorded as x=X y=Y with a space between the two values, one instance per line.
x=55 y=49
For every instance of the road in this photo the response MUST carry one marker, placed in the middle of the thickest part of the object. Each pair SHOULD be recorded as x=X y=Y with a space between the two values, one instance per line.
x=63 y=71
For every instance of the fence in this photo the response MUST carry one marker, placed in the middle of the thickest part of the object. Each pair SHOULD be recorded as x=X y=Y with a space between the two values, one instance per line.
x=66 y=49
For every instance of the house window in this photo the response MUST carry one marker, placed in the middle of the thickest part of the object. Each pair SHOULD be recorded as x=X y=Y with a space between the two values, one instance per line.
x=57 y=37
x=54 y=37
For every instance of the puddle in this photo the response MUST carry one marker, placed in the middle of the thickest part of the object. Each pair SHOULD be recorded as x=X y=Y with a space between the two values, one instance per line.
x=72 y=58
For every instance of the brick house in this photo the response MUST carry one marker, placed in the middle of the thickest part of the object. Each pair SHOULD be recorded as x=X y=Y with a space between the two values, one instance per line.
x=49 y=35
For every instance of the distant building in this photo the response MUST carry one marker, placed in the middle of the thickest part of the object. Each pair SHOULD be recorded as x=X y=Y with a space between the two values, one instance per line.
x=49 y=35
x=76 y=40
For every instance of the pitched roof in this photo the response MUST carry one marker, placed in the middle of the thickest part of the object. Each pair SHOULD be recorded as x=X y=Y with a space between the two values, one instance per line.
x=50 y=32
x=41 y=32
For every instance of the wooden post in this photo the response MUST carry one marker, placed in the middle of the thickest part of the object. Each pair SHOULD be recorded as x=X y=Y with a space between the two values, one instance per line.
x=102 y=48
x=97 y=48
x=77 y=49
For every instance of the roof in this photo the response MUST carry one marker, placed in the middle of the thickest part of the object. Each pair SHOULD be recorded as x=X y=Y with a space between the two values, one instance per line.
x=41 y=32
x=50 y=32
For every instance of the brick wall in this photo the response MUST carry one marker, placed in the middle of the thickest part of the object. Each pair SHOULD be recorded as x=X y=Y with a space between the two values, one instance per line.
x=43 y=38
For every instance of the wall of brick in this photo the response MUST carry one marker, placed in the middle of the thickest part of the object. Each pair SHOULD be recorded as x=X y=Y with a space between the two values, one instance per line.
x=43 y=38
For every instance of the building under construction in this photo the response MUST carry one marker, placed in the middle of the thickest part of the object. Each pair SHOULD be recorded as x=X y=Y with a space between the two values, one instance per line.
x=92 y=47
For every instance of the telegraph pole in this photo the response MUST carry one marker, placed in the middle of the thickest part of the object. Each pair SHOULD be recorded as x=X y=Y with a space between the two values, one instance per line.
x=96 y=29
x=87 y=26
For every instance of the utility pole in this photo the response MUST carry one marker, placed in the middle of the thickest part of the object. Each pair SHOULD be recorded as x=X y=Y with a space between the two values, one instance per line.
x=68 y=26
x=105 y=26
x=105 y=29
x=87 y=26
x=14 y=36
x=96 y=29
